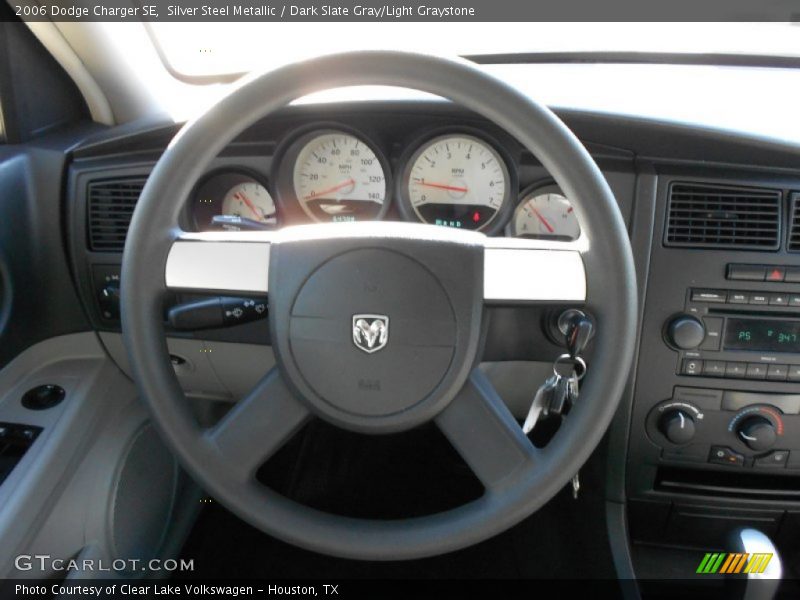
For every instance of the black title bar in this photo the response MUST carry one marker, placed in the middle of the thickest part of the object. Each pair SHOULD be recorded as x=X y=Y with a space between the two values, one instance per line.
x=406 y=10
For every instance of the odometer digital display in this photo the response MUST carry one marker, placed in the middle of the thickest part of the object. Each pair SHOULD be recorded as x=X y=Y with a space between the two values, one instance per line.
x=760 y=335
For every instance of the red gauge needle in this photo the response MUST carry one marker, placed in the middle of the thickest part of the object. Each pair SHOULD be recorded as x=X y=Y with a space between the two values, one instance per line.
x=544 y=221
x=441 y=186
x=249 y=204
x=335 y=188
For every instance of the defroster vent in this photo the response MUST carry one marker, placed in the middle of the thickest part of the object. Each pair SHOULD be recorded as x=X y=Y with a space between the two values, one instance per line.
x=716 y=216
x=111 y=203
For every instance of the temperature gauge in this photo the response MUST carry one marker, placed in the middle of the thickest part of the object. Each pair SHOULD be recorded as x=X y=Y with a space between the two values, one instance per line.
x=545 y=213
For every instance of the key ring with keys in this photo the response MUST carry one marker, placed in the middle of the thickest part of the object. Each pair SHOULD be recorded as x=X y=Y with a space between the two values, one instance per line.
x=578 y=365
x=559 y=392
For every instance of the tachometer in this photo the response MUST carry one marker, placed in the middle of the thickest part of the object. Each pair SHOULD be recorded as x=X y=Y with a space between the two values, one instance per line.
x=545 y=212
x=456 y=180
x=339 y=177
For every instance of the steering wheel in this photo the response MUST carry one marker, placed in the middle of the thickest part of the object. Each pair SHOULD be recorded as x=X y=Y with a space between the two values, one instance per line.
x=421 y=293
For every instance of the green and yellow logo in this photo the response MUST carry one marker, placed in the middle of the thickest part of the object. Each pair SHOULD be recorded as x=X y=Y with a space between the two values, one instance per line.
x=727 y=563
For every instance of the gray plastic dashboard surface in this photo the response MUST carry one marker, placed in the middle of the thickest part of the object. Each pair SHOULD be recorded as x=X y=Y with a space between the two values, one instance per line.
x=60 y=496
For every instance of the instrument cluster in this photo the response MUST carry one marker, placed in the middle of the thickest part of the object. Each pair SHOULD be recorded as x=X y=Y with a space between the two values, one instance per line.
x=457 y=178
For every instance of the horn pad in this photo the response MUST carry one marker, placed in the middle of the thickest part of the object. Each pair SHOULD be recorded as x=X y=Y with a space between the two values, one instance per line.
x=376 y=338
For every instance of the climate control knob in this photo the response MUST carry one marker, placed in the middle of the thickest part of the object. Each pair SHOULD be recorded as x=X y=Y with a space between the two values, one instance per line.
x=109 y=301
x=677 y=426
x=758 y=433
x=685 y=332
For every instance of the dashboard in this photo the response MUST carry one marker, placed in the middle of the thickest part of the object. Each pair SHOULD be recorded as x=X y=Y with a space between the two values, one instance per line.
x=457 y=176
x=430 y=162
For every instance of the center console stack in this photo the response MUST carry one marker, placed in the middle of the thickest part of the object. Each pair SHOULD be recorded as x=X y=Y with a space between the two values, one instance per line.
x=715 y=431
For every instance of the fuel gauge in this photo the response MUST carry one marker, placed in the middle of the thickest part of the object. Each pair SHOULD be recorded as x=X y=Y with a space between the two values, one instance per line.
x=233 y=199
x=250 y=200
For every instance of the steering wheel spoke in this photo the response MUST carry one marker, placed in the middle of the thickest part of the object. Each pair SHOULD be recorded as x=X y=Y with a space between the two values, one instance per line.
x=232 y=262
x=485 y=433
x=258 y=425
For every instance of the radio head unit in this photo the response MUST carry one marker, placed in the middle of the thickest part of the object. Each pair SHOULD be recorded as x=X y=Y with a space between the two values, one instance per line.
x=737 y=335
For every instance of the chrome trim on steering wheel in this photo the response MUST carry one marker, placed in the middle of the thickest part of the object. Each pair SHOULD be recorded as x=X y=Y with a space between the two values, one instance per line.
x=515 y=270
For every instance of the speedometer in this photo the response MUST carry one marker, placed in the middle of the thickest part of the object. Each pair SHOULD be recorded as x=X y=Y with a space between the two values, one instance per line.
x=339 y=177
x=457 y=180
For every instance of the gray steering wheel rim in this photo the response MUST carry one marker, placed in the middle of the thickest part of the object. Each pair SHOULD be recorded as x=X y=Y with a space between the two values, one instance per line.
x=611 y=295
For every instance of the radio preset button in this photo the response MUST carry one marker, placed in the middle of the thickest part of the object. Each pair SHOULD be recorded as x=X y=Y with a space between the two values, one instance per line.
x=714 y=368
x=747 y=272
x=756 y=371
x=777 y=372
x=736 y=370
x=794 y=373
x=794 y=300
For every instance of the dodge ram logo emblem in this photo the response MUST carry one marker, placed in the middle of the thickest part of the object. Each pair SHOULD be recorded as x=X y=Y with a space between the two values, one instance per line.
x=370 y=332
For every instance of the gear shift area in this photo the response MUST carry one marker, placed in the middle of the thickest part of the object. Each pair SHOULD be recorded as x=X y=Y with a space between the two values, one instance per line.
x=763 y=584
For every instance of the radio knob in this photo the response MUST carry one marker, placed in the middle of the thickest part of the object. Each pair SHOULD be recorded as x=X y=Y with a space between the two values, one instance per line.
x=757 y=433
x=685 y=332
x=677 y=426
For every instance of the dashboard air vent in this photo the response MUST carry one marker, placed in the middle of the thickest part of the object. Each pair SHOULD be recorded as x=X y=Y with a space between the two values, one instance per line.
x=716 y=216
x=111 y=203
x=794 y=225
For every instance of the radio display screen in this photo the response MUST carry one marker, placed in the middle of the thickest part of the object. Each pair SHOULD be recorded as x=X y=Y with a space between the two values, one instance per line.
x=759 y=335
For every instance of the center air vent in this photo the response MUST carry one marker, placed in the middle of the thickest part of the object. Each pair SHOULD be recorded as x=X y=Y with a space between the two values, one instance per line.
x=716 y=216
x=111 y=204
x=794 y=225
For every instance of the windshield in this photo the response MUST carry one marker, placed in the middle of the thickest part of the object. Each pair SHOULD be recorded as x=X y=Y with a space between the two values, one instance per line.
x=219 y=49
x=739 y=65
